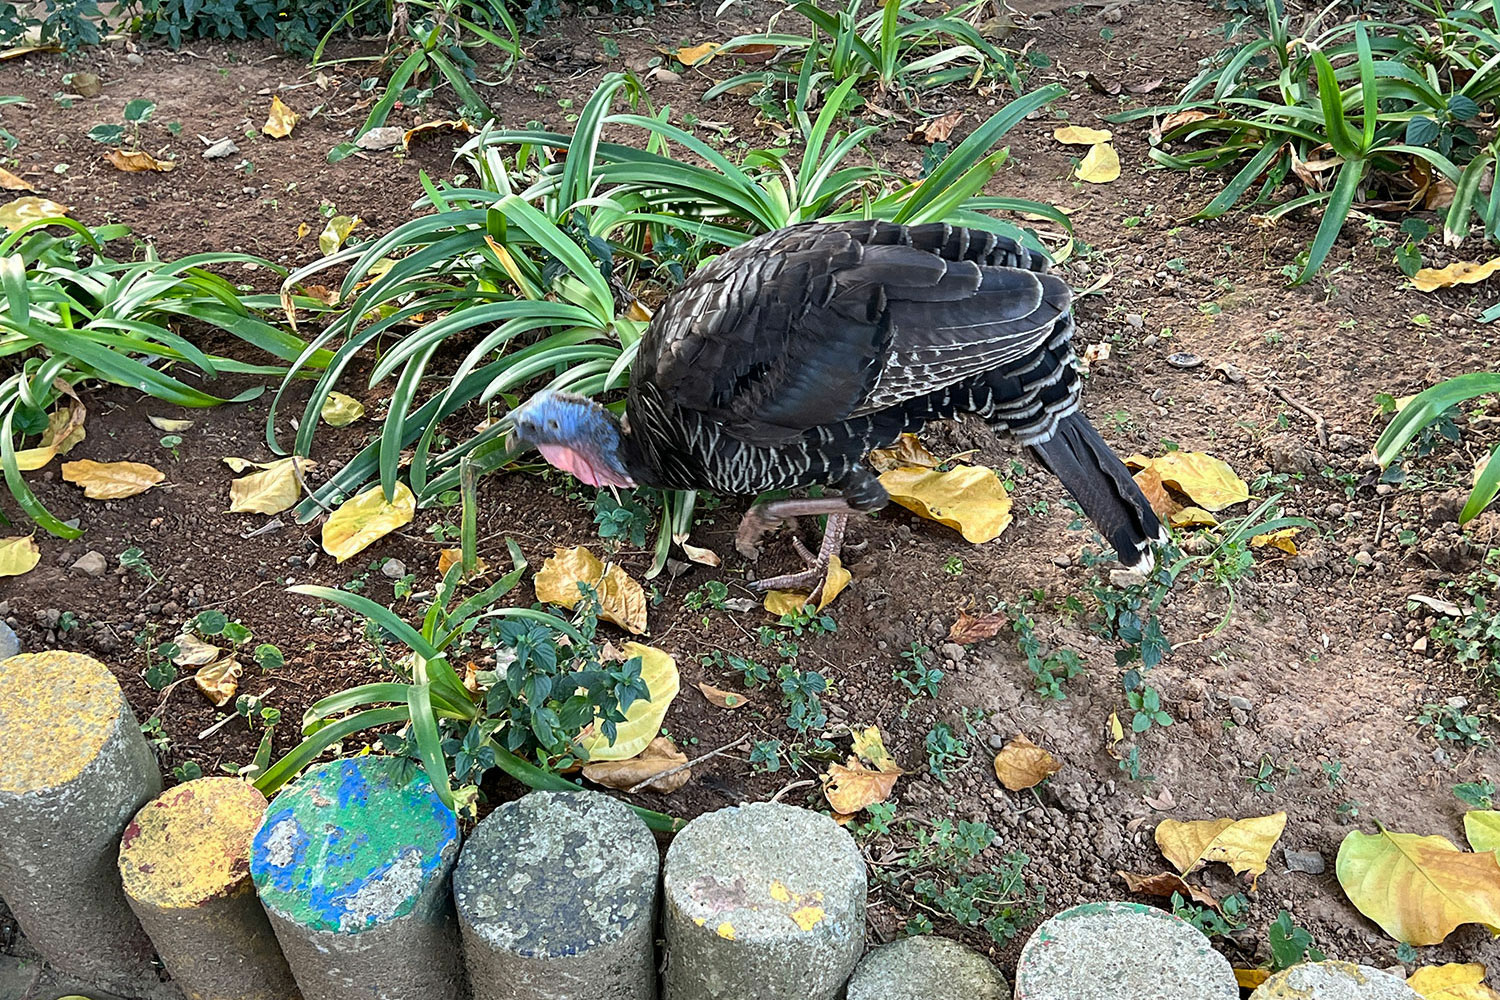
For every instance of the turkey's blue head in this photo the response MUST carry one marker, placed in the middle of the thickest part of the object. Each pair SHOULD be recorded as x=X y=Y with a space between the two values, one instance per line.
x=575 y=434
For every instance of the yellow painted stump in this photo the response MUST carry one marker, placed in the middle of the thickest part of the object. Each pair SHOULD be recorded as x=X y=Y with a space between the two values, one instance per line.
x=74 y=768
x=185 y=864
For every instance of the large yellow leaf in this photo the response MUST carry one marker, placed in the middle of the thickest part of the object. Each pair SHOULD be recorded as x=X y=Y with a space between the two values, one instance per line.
x=1460 y=272
x=788 y=602
x=111 y=480
x=64 y=430
x=17 y=213
x=1078 y=135
x=661 y=755
x=1482 y=828
x=340 y=410
x=1242 y=844
x=621 y=599
x=643 y=718
x=1418 y=889
x=1022 y=764
x=1209 y=481
x=967 y=497
x=1452 y=982
x=18 y=555
x=852 y=787
x=363 y=520
x=270 y=491
x=280 y=121
x=1101 y=165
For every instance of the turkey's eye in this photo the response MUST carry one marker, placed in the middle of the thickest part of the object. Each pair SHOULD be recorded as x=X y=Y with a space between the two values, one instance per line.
x=552 y=425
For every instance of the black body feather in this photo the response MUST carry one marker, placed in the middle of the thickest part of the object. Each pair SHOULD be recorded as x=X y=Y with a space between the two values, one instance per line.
x=784 y=361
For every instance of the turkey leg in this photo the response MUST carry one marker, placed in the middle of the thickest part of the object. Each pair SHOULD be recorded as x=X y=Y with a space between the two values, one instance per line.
x=763 y=517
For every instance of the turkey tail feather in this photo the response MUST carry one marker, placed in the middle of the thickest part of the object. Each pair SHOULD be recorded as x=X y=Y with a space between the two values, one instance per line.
x=1104 y=488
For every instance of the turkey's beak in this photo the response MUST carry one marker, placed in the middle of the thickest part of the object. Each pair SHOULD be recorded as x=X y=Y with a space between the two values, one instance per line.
x=515 y=440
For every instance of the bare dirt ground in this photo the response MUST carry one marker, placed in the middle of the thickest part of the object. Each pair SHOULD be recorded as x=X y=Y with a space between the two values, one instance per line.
x=1315 y=672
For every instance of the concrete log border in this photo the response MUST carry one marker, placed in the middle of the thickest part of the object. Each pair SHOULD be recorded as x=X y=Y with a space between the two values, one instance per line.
x=76 y=770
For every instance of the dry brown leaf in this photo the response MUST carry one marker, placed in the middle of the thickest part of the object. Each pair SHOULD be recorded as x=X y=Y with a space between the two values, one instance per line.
x=18 y=555
x=1177 y=119
x=1208 y=481
x=1100 y=166
x=272 y=490
x=1419 y=889
x=936 y=129
x=111 y=480
x=1242 y=844
x=1022 y=764
x=28 y=209
x=697 y=553
x=722 y=698
x=660 y=755
x=11 y=182
x=621 y=599
x=1078 y=135
x=138 y=162
x=1452 y=982
x=281 y=119
x=1165 y=885
x=967 y=497
x=448 y=558
x=447 y=125
x=361 y=521
x=1458 y=273
x=1150 y=482
x=219 y=681
x=907 y=451
x=969 y=629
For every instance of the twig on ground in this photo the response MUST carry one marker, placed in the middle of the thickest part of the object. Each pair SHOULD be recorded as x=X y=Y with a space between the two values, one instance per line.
x=1306 y=411
x=737 y=744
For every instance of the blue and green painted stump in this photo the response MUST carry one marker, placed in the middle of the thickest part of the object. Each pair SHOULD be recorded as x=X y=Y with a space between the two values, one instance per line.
x=352 y=863
x=185 y=862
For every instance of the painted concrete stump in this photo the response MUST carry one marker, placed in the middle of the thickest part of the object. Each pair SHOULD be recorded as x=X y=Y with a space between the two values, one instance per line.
x=352 y=864
x=185 y=863
x=556 y=895
x=1121 y=951
x=76 y=770
x=762 y=902
x=1334 y=981
x=927 y=968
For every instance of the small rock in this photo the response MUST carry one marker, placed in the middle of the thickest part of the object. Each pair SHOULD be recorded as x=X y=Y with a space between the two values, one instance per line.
x=1287 y=453
x=665 y=75
x=1420 y=646
x=1072 y=797
x=1307 y=862
x=1136 y=320
x=86 y=85
x=1364 y=559
x=92 y=564
x=394 y=569
x=221 y=149
x=953 y=651
x=1149 y=340
x=1458 y=702
x=997 y=742
x=385 y=137
x=135 y=59
x=1185 y=360
x=1243 y=704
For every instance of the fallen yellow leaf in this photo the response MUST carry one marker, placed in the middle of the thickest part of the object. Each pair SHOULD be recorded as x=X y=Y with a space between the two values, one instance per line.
x=1077 y=135
x=644 y=717
x=281 y=119
x=1418 y=889
x=1458 y=273
x=697 y=553
x=722 y=698
x=336 y=232
x=1277 y=540
x=1101 y=165
x=967 y=497
x=18 y=555
x=169 y=425
x=64 y=430
x=138 y=162
x=868 y=746
x=692 y=55
x=448 y=558
x=1242 y=844
x=1452 y=982
x=361 y=521
x=621 y=599
x=340 y=410
x=907 y=451
x=111 y=480
x=1164 y=885
x=11 y=182
x=194 y=652
x=272 y=490
x=1208 y=481
x=1249 y=979
x=28 y=209
x=1022 y=764
x=1482 y=828
x=219 y=681
x=1193 y=517
x=852 y=787
x=446 y=125
x=660 y=755
x=790 y=602
x=1116 y=730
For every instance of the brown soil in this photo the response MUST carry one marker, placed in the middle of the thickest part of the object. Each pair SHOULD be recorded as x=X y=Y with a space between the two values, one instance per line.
x=1319 y=645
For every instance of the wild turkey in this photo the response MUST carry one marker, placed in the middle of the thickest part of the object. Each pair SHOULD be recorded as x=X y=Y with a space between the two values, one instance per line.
x=782 y=362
